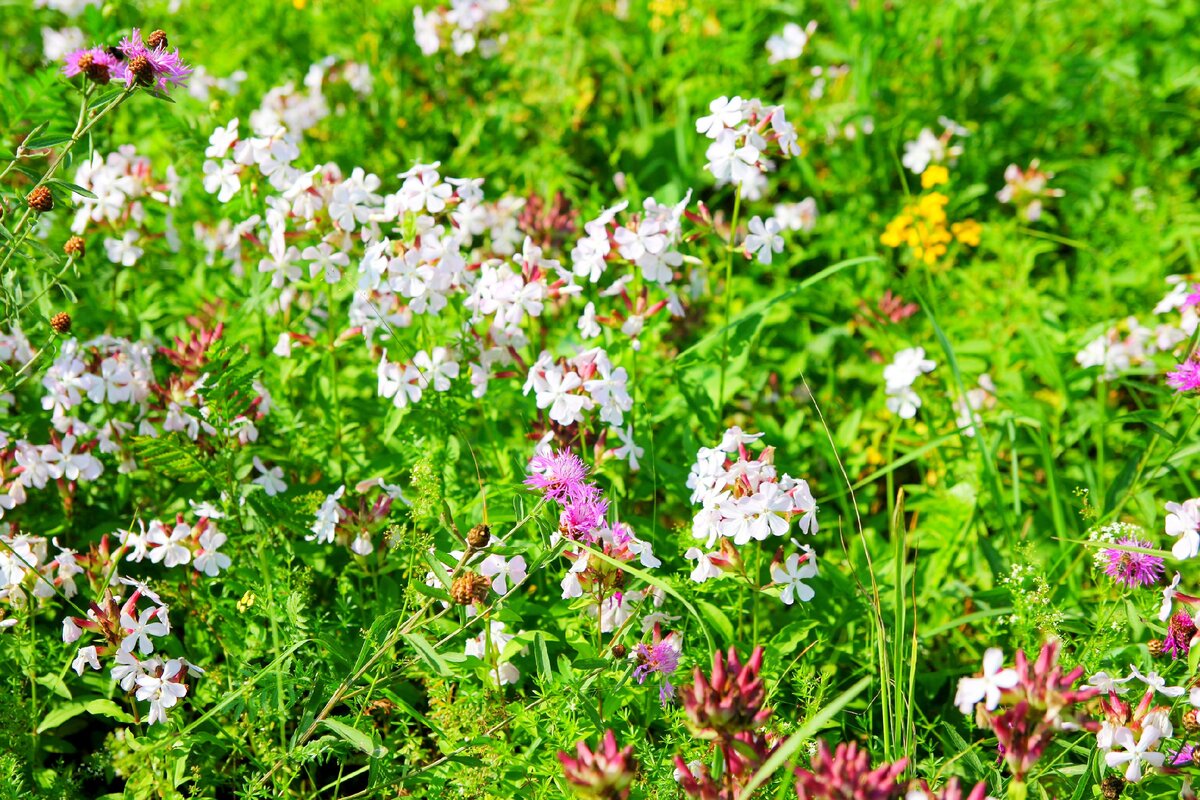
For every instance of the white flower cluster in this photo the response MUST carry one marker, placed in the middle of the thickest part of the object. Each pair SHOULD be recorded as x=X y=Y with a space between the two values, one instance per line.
x=789 y=44
x=404 y=383
x=122 y=182
x=464 y=21
x=586 y=382
x=647 y=241
x=180 y=543
x=930 y=148
x=27 y=571
x=745 y=133
x=801 y=216
x=129 y=640
x=335 y=522
x=1129 y=345
x=489 y=646
x=744 y=499
x=899 y=377
x=72 y=8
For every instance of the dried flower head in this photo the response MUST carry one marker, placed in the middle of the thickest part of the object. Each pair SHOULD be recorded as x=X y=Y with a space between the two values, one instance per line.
x=470 y=587
x=40 y=200
x=61 y=322
x=478 y=537
x=75 y=246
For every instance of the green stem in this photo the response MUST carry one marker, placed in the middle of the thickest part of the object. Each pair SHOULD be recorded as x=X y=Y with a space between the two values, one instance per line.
x=729 y=250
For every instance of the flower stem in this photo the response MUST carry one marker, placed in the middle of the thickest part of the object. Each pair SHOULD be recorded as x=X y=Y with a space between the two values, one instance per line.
x=737 y=208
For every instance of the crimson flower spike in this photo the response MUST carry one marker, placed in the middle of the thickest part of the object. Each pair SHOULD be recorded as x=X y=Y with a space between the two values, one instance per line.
x=603 y=774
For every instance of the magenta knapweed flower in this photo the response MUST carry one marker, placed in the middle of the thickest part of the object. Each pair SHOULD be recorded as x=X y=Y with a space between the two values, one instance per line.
x=1185 y=377
x=581 y=519
x=561 y=477
x=605 y=773
x=152 y=66
x=847 y=773
x=660 y=658
x=1133 y=569
x=94 y=62
x=1179 y=635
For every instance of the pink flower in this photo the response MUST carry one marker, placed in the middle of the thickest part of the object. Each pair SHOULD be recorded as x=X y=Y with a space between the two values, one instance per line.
x=848 y=774
x=1185 y=377
x=605 y=773
x=156 y=67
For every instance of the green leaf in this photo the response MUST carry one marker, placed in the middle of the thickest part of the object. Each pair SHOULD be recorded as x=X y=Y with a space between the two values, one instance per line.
x=427 y=653
x=72 y=187
x=542 y=656
x=356 y=737
x=61 y=714
x=103 y=707
x=46 y=140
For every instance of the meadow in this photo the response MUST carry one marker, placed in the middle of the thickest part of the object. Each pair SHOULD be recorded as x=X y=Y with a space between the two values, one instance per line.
x=615 y=399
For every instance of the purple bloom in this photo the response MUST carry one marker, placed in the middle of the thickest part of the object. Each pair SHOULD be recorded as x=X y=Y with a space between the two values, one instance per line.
x=1183 y=757
x=582 y=518
x=560 y=477
x=1185 y=377
x=152 y=66
x=1133 y=569
x=1179 y=635
x=94 y=62
x=661 y=658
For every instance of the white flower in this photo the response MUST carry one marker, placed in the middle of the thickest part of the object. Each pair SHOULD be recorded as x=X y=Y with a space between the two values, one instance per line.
x=1157 y=683
x=500 y=570
x=222 y=179
x=988 y=687
x=138 y=631
x=705 y=568
x=907 y=366
x=270 y=479
x=730 y=163
x=86 y=657
x=70 y=465
x=1107 y=684
x=124 y=251
x=726 y=113
x=1169 y=593
x=221 y=140
x=555 y=394
x=1183 y=520
x=1134 y=754
x=792 y=576
x=208 y=560
x=789 y=44
x=169 y=551
x=903 y=402
x=764 y=239
x=629 y=449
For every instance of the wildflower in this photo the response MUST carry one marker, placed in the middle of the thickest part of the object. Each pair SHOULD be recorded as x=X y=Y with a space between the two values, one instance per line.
x=500 y=570
x=1157 y=683
x=1027 y=189
x=138 y=631
x=469 y=588
x=1133 y=569
x=800 y=216
x=271 y=480
x=124 y=251
x=988 y=687
x=1183 y=520
x=605 y=773
x=86 y=657
x=95 y=63
x=791 y=575
x=208 y=559
x=152 y=66
x=1135 y=753
x=660 y=658
x=1107 y=684
x=1179 y=635
x=560 y=477
x=1185 y=377
x=847 y=773
x=934 y=175
x=789 y=44
x=729 y=700
x=763 y=239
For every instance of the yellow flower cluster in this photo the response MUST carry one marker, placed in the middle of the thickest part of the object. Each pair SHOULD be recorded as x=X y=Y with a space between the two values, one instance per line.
x=922 y=225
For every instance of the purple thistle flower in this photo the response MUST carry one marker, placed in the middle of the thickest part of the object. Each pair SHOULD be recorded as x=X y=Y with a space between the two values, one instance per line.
x=1185 y=377
x=661 y=658
x=560 y=477
x=1133 y=569
x=1179 y=635
x=94 y=62
x=580 y=520
x=1183 y=757
x=156 y=67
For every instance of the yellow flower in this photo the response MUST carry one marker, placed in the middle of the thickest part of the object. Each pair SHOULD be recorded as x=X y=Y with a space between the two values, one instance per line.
x=934 y=175
x=897 y=231
x=967 y=232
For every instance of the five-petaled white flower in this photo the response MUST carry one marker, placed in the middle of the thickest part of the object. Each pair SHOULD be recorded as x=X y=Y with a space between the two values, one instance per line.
x=987 y=688
x=792 y=574
x=1135 y=753
x=1183 y=520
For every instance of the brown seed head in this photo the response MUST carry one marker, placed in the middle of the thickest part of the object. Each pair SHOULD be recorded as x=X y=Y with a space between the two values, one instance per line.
x=1112 y=786
x=157 y=39
x=142 y=69
x=470 y=587
x=1191 y=720
x=61 y=322
x=619 y=650
x=1155 y=646
x=40 y=200
x=75 y=246
x=478 y=537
